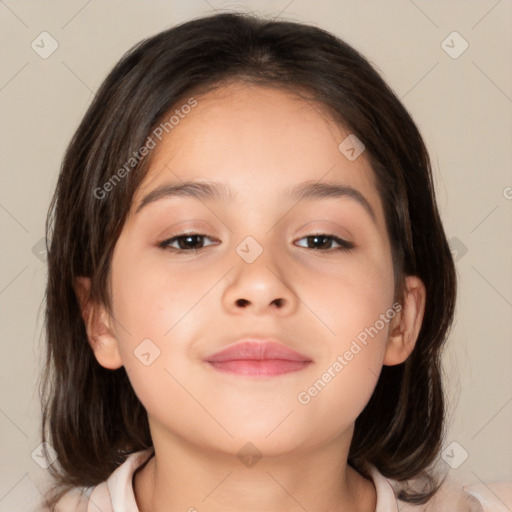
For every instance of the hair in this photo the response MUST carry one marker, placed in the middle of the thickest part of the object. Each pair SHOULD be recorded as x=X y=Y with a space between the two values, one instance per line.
x=91 y=415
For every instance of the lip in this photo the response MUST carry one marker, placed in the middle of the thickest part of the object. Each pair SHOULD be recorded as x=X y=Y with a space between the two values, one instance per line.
x=258 y=358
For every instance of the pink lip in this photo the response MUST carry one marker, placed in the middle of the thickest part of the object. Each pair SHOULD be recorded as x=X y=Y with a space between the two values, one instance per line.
x=258 y=358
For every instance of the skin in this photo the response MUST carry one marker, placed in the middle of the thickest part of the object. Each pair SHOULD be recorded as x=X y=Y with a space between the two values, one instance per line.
x=260 y=141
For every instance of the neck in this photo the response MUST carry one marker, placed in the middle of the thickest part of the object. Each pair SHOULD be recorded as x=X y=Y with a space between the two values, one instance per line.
x=184 y=477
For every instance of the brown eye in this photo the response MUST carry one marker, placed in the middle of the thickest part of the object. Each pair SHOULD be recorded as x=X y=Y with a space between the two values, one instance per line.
x=324 y=242
x=185 y=242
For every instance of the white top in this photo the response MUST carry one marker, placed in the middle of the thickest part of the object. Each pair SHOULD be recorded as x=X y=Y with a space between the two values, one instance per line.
x=116 y=494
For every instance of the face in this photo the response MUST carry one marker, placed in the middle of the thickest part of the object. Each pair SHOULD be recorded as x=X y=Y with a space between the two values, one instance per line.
x=192 y=274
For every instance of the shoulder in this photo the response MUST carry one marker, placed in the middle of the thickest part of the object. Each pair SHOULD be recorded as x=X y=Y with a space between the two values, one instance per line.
x=452 y=496
x=75 y=500
x=115 y=493
x=85 y=499
x=477 y=497
x=494 y=496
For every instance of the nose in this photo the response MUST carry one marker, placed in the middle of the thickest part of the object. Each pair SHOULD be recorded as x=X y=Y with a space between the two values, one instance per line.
x=260 y=287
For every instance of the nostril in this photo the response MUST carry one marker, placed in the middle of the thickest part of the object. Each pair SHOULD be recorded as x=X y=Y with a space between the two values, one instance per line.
x=278 y=302
x=242 y=302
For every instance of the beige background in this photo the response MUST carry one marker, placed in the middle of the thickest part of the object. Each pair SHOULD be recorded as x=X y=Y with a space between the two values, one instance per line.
x=463 y=107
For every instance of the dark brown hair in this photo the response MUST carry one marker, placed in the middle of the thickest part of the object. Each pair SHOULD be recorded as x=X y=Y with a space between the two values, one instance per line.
x=91 y=415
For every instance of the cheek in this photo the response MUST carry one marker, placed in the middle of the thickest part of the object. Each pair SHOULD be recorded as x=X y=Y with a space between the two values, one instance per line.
x=351 y=296
x=344 y=380
x=354 y=308
x=158 y=313
x=150 y=299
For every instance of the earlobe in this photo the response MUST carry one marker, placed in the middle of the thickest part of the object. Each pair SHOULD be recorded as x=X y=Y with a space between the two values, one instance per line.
x=98 y=324
x=405 y=326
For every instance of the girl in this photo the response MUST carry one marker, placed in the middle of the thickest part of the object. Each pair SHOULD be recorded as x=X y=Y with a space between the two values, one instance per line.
x=249 y=285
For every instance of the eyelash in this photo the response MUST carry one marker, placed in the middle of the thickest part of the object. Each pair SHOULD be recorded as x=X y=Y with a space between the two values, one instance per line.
x=344 y=245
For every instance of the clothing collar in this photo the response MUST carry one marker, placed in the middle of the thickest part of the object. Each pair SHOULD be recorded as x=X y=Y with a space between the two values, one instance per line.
x=117 y=492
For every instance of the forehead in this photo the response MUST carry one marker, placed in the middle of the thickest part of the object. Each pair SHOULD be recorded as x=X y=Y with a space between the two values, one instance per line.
x=256 y=137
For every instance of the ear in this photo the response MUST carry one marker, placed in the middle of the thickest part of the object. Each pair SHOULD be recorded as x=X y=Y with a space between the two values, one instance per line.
x=98 y=324
x=406 y=324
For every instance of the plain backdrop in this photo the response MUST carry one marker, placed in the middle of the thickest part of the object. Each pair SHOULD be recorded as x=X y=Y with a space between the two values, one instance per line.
x=461 y=99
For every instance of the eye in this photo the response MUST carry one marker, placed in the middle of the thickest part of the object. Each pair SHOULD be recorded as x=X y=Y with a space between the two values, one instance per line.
x=323 y=242
x=186 y=242
x=189 y=242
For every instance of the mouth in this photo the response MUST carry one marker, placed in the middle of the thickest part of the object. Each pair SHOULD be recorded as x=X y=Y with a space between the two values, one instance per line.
x=258 y=358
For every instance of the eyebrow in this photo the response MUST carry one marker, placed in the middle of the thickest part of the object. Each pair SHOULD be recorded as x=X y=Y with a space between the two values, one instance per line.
x=220 y=191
